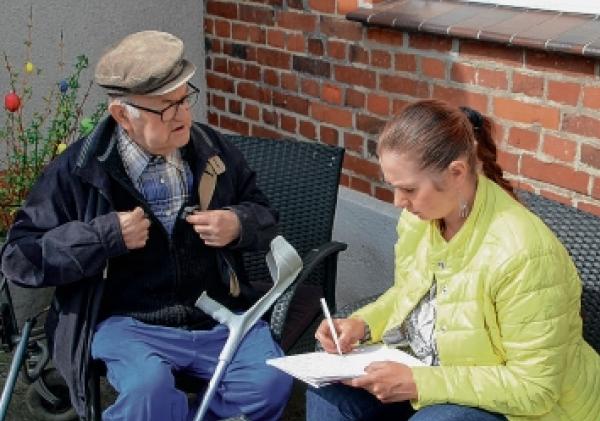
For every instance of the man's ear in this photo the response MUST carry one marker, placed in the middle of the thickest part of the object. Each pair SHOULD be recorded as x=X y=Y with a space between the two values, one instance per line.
x=118 y=111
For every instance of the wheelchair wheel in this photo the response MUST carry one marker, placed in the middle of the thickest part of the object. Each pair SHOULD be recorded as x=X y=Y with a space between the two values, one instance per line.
x=43 y=410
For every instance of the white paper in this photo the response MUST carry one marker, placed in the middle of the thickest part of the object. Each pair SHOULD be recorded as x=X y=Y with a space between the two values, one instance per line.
x=321 y=368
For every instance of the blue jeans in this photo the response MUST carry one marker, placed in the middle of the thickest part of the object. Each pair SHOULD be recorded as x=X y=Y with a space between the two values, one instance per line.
x=140 y=360
x=344 y=403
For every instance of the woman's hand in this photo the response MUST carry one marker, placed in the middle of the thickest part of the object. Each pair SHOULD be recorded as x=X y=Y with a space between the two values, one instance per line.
x=387 y=381
x=349 y=331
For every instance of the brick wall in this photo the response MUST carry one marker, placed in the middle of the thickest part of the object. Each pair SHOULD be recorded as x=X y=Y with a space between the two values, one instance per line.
x=298 y=68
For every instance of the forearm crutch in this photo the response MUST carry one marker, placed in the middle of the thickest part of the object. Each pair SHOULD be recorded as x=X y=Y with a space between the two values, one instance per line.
x=284 y=265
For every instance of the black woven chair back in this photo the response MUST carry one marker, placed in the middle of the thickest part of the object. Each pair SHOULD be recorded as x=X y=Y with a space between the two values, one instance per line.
x=301 y=181
x=580 y=233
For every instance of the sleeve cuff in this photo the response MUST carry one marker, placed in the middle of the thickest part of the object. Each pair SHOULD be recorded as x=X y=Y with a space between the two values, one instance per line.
x=109 y=229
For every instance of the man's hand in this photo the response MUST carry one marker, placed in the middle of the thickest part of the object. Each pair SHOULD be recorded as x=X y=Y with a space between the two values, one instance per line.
x=216 y=227
x=387 y=381
x=134 y=228
x=350 y=332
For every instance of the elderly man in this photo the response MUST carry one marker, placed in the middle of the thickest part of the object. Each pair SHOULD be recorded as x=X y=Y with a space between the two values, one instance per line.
x=107 y=224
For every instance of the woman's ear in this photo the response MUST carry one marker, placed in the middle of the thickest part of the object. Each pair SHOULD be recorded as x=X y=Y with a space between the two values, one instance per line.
x=458 y=171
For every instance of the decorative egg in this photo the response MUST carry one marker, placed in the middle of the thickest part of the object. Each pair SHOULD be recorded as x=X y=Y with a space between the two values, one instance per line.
x=29 y=68
x=12 y=102
x=63 y=85
x=60 y=148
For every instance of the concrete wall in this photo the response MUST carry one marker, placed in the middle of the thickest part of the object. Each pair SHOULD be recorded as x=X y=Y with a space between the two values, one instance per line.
x=368 y=226
x=89 y=27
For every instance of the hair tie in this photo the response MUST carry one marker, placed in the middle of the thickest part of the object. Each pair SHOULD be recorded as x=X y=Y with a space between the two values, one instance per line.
x=474 y=117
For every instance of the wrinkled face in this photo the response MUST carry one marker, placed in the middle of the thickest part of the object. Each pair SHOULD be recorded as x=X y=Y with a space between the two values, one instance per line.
x=154 y=135
x=424 y=193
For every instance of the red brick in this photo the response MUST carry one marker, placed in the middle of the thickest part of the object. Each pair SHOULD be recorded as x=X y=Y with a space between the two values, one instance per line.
x=328 y=135
x=289 y=82
x=252 y=91
x=564 y=92
x=276 y=38
x=378 y=104
x=337 y=27
x=296 y=4
x=290 y=103
x=589 y=207
x=239 y=31
x=581 y=124
x=218 y=102
x=402 y=85
x=463 y=73
x=459 y=97
x=297 y=21
x=590 y=156
x=295 y=42
x=336 y=49
x=310 y=87
x=316 y=47
x=430 y=42
x=515 y=110
x=252 y=72
x=219 y=8
x=491 y=52
x=381 y=59
x=219 y=65
x=257 y=35
x=209 y=26
x=523 y=138
x=553 y=173
x=357 y=54
x=336 y=116
x=217 y=82
x=256 y=14
x=591 y=97
x=398 y=105
x=384 y=194
x=495 y=79
x=213 y=119
x=353 y=142
x=345 y=6
x=270 y=77
x=556 y=197
x=359 y=184
x=235 y=107
x=344 y=180
x=312 y=66
x=235 y=69
x=288 y=123
x=508 y=161
x=596 y=188
x=222 y=28
x=354 y=76
x=325 y=6
x=260 y=131
x=559 y=148
x=559 y=63
x=270 y=117
x=251 y=111
x=308 y=130
x=273 y=58
x=433 y=68
x=405 y=62
x=234 y=125
x=527 y=84
x=331 y=94
x=355 y=98
x=385 y=36
x=369 y=124
x=362 y=166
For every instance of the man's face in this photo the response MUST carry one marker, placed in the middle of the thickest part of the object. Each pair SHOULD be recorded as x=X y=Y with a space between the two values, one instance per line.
x=154 y=135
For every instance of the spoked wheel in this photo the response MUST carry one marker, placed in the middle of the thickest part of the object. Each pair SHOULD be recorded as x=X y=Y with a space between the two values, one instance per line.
x=44 y=410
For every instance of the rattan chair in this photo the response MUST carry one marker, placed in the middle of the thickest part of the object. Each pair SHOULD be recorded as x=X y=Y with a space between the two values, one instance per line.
x=580 y=233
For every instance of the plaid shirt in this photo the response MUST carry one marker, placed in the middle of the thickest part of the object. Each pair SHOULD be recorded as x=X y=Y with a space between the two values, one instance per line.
x=165 y=182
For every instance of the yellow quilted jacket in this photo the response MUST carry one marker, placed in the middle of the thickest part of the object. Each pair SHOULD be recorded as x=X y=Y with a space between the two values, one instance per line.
x=508 y=325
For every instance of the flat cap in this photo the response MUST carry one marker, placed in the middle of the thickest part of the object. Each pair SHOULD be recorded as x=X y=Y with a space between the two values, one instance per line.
x=144 y=63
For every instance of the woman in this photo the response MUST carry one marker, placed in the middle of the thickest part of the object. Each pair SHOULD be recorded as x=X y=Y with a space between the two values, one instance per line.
x=484 y=293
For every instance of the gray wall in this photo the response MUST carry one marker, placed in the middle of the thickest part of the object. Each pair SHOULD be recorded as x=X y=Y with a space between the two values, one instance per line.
x=89 y=27
x=368 y=226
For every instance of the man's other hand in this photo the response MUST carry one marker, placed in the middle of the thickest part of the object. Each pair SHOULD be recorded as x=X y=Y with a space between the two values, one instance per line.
x=216 y=227
x=135 y=228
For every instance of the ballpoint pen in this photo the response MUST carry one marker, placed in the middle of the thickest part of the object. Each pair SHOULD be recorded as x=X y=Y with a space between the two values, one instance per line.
x=331 y=326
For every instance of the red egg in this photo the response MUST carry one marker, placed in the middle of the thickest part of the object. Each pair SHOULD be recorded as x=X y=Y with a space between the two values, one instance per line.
x=12 y=102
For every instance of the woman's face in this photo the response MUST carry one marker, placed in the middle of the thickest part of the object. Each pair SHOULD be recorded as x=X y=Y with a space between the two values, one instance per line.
x=414 y=188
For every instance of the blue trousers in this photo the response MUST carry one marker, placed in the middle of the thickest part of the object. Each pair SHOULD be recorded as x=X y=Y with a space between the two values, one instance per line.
x=344 y=403
x=141 y=358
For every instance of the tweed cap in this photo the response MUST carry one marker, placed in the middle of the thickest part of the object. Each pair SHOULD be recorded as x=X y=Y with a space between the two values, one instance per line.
x=144 y=63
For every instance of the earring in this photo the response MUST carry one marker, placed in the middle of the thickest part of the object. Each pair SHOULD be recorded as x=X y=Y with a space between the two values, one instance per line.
x=463 y=208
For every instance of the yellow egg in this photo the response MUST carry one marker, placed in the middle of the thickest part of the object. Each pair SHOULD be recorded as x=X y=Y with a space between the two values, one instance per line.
x=29 y=67
x=61 y=147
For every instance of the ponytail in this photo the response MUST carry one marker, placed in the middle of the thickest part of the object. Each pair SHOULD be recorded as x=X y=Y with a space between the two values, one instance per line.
x=486 y=149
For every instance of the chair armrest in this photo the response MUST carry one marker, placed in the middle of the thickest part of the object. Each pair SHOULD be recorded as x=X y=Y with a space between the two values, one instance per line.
x=326 y=253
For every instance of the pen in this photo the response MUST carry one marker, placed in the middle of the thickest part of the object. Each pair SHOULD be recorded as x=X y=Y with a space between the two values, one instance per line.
x=331 y=326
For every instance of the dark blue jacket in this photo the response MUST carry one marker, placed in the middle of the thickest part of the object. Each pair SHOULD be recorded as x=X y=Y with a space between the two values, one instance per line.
x=67 y=232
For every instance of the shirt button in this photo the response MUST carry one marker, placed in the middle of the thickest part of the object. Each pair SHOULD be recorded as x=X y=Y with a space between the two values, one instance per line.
x=168 y=213
x=445 y=290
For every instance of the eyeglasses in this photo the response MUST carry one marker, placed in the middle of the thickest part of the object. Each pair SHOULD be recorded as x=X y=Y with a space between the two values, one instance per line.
x=170 y=111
